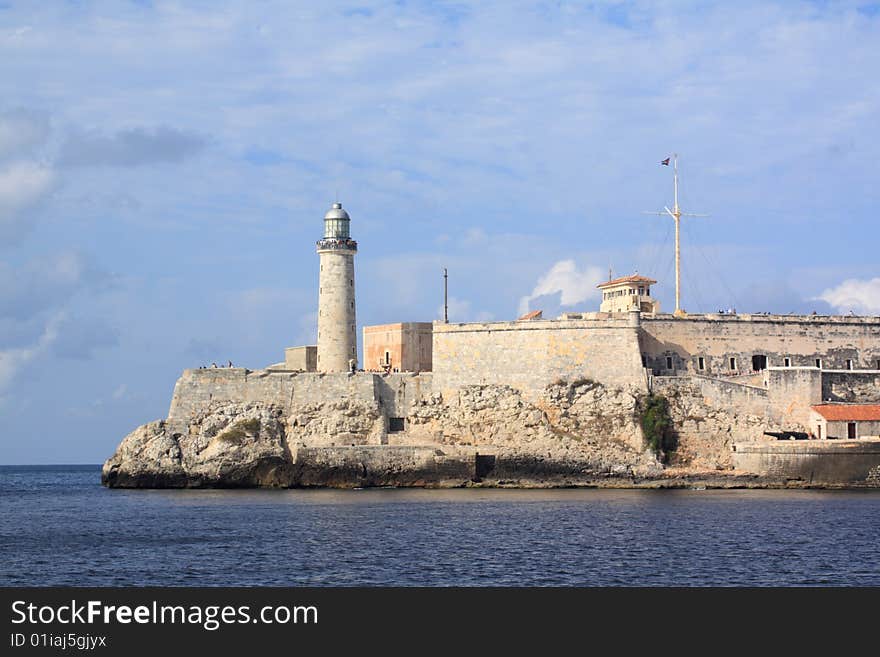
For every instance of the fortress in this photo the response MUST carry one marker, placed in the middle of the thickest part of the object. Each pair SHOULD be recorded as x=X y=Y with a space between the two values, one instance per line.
x=535 y=401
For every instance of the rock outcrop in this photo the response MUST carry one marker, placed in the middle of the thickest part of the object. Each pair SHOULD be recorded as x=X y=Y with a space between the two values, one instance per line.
x=490 y=434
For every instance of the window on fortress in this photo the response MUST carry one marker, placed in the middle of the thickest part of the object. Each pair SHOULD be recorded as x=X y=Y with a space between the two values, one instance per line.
x=819 y=363
x=786 y=362
x=701 y=363
x=849 y=364
x=732 y=363
x=669 y=362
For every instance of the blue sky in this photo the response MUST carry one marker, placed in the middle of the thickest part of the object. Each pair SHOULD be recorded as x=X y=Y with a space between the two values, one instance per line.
x=164 y=168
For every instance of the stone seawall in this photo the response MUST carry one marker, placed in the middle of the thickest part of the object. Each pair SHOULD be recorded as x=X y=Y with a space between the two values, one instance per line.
x=814 y=462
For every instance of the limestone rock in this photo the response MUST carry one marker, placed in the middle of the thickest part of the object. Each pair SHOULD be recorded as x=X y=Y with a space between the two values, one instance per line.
x=229 y=445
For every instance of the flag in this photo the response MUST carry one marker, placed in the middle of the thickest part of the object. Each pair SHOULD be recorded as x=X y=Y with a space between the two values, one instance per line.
x=665 y=162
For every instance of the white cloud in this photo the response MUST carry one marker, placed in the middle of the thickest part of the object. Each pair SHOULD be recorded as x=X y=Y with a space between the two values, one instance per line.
x=13 y=360
x=22 y=184
x=564 y=278
x=21 y=131
x=859 y=296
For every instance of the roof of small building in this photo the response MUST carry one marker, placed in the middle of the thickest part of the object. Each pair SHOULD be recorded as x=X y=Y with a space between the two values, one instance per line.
x=534 y=314
x=849 y=412
x=635 y=278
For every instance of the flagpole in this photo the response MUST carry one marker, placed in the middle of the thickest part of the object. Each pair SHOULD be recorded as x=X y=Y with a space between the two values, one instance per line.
x=676 y=215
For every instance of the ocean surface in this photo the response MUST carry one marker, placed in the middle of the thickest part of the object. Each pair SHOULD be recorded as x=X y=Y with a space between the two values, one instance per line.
x=58 y=526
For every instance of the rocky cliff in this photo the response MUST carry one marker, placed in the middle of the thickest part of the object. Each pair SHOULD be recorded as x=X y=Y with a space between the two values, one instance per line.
x=579 y=432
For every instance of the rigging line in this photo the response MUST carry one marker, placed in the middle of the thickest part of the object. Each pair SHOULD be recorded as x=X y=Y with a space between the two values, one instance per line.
x=660 y=247
x=667 y=271
x=695 y=289
x=716 y=271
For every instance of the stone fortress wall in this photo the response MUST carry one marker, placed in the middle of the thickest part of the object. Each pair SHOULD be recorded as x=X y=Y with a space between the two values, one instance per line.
x=838 y=343
x=529 y=355
x=539 y=400
x=388 y=396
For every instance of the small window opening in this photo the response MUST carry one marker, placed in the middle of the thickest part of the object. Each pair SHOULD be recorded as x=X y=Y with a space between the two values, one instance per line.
x=396 y=424
x=819 y=363
x=732 y=363
x=849 y=363
x=701 y=363
x=669 y=362
x=786 y=362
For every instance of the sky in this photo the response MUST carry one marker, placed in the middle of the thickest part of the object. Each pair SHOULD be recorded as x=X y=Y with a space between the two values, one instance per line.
x=165 y=168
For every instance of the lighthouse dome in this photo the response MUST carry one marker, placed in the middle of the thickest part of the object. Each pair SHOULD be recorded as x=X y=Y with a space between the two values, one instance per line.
x=336 y=212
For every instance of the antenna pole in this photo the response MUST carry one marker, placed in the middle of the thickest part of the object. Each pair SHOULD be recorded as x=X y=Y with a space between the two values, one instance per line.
x=445 y=296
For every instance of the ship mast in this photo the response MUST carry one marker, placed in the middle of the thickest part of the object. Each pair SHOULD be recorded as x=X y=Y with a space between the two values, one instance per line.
x=676 y=215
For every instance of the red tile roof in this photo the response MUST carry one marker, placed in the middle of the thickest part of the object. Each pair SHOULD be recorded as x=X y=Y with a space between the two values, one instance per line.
x=535 y=314
x=628 y=279
x=849 y=412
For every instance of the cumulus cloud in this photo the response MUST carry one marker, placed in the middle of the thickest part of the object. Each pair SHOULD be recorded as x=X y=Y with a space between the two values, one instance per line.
x=129 y=148
x=13 y=360
x=24 y=181
x=35 y=299
x=45 y=282
x=21 y=131
x=564 y=278
x=22 y=186
x=859 y=296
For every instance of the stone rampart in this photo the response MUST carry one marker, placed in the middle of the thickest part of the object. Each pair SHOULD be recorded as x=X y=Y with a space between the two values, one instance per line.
x=196 y=390
x=836 y=342
x=530 y=355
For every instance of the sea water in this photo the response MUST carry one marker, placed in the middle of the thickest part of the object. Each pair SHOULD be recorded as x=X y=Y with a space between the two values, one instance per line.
x=59 y=526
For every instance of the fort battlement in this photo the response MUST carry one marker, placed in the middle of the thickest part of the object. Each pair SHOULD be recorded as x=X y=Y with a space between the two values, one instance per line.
x=529 y=355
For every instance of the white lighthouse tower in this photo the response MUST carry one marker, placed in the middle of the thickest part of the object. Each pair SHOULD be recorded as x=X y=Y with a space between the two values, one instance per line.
x=337 y=336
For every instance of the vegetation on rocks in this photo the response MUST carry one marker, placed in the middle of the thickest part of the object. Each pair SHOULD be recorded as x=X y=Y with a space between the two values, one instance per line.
x=657 y=424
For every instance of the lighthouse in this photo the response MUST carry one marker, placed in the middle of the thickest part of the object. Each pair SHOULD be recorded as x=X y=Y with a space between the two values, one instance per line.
x=337 y=335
